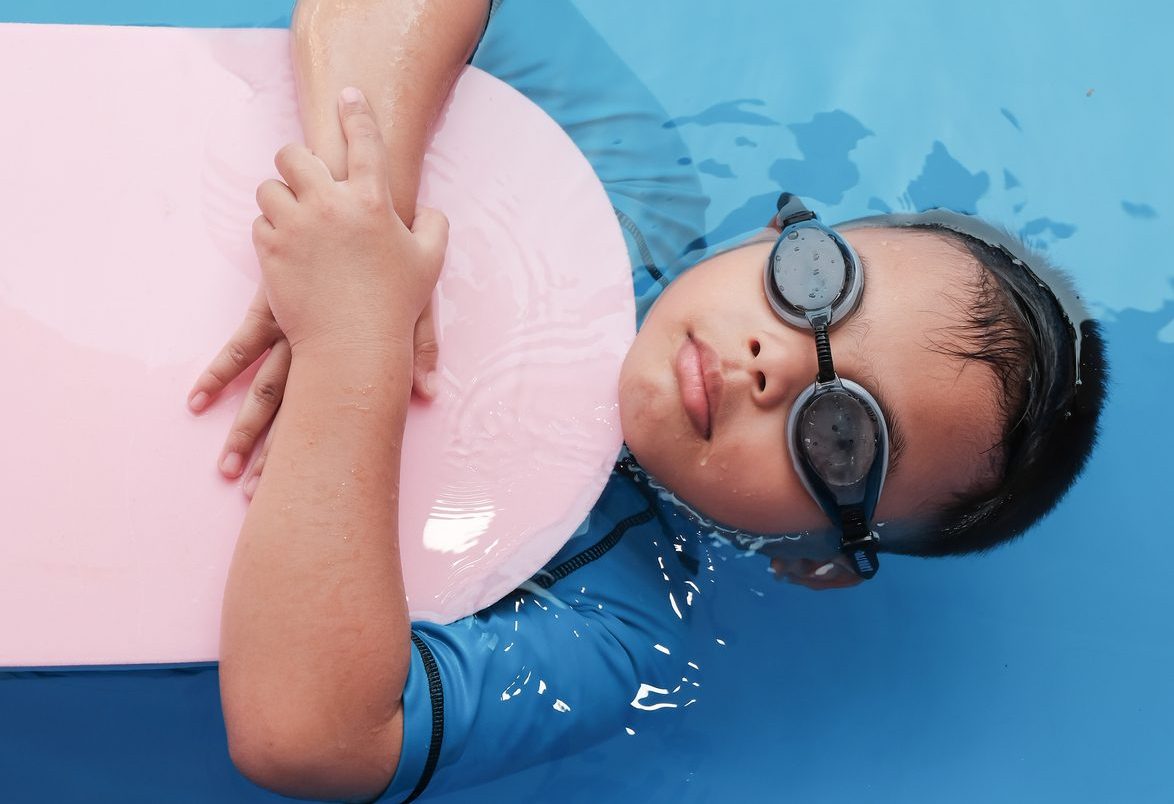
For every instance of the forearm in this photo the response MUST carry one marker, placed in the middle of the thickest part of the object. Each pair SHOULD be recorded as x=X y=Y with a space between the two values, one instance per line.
x=315 y=632
x=404 y=55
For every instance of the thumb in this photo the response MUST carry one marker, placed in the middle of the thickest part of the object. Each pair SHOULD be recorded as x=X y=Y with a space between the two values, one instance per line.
x=365 y=152
x=430 y=230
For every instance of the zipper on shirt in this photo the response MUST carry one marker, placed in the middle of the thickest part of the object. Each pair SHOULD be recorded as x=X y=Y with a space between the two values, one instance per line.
x=595 y=551
x=641 y=246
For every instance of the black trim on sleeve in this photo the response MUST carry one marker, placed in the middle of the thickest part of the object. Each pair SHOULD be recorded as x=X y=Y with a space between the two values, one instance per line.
x=436 y=693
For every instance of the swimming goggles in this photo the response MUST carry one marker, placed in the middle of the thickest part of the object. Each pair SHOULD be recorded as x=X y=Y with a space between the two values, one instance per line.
x=839 y=442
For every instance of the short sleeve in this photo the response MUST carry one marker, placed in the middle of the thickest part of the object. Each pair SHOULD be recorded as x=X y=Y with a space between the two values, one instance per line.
x=493 y=6
x=548 y=672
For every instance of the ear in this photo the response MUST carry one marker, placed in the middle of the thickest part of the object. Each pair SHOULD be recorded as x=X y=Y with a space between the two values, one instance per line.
x=817 y=575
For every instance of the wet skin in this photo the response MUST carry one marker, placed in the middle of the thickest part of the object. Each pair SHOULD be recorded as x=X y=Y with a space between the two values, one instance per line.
x=732 y=464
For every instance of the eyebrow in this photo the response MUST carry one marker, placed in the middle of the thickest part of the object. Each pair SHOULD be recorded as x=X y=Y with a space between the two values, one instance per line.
x=872 y=384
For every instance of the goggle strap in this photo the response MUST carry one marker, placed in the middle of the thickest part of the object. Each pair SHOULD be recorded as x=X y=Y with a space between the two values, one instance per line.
x=823 y=353
x=791 y=210
x=858 y=542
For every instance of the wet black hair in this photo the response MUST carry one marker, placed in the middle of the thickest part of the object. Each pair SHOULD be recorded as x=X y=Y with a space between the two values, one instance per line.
x=1052 y=376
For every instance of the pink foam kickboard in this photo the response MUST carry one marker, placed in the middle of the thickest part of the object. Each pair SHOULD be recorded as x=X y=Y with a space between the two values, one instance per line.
x=130 y=160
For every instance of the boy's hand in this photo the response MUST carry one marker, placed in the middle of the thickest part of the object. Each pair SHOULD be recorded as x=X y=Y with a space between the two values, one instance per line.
x=341 y=271
x=258 y=333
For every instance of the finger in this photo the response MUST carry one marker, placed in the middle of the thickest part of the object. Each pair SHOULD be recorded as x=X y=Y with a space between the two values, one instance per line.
x=275 y=200
x=261 y=227
x=366 y=160
x=430 y=230
x=301 y=170
x=255 y=334
x=426 y=353
x=257 y=410
x=253 y=476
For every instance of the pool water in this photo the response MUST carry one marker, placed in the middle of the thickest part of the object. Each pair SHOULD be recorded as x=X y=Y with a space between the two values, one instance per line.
x=1038 y=673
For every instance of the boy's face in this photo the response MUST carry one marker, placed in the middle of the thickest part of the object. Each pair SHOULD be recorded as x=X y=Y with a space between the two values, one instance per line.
x=916 y=287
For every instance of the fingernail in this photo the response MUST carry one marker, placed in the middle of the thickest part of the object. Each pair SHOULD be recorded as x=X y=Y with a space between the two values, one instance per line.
x=231 y=464
x=824 y=570
x=352 y=95
x=251 y=486
x=198 y=401
x=430 y=383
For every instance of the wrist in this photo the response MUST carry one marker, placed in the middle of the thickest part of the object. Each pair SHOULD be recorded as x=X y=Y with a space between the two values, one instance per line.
x=387 y=340
x=355 y=350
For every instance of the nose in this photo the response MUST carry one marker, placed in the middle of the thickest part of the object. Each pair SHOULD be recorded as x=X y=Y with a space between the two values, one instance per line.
x=780 y=366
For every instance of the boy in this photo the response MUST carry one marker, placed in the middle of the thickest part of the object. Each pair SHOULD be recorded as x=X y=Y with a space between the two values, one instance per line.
x=985 y=429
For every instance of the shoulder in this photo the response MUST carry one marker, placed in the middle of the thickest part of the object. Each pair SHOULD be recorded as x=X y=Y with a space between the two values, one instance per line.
x=547 y=51
x=567 y=660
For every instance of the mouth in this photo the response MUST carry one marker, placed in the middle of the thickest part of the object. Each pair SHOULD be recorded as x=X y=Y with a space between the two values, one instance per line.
x=699 y=378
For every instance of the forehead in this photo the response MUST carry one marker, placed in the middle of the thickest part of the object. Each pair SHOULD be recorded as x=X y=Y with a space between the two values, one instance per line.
x=919 y=289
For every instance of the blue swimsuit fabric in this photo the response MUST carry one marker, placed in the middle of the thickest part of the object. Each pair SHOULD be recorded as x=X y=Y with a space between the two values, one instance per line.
x=600 y=639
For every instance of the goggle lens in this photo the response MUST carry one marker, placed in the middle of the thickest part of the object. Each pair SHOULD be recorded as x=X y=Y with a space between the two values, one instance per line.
x=808 y=270
x=839 y=438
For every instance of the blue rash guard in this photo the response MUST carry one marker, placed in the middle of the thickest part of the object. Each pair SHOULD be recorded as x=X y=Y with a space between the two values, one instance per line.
x=602 y=636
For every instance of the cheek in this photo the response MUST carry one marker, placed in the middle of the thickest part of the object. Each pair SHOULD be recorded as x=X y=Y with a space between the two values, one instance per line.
x=745 y=482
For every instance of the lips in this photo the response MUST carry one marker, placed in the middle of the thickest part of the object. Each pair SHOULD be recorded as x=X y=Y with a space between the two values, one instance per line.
x=699 y=377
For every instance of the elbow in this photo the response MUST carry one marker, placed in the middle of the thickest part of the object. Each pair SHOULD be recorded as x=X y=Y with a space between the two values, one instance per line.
x=275 y=762
x=263 y=765
x=297 y=762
